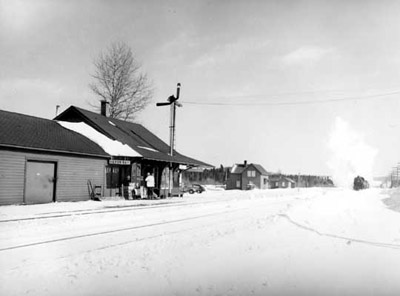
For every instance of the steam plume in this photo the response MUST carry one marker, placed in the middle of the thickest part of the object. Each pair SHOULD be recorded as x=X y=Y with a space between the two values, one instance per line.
x=351 y=156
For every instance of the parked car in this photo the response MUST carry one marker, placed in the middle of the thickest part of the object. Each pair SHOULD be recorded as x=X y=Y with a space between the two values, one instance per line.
x=195 y=188
x=250 y=186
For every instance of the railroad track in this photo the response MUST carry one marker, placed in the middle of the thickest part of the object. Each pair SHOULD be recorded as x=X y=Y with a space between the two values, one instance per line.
x=113 y=209
x=125 y=228
x=122 y=229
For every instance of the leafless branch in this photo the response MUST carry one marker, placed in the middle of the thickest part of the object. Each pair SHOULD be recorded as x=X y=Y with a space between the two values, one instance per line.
x=118 y=80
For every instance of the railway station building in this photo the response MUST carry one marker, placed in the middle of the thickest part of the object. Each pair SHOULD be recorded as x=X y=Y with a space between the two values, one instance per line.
x=145 y=153
x=43 y=162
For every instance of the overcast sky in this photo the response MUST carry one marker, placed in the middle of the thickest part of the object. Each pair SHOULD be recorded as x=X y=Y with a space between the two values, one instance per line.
x=262 y=81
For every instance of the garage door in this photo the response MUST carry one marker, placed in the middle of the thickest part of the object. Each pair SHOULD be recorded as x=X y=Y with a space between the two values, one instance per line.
x=40 y=177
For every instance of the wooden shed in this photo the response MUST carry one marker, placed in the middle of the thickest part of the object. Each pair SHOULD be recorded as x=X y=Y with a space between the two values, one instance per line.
x=43 y=162
x=280 y=181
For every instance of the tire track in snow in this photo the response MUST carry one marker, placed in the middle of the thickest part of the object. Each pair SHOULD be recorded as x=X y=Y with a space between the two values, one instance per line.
x=348 y=239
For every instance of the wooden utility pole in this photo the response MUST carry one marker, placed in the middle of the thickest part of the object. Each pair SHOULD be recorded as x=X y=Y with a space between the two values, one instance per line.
x=172 y=101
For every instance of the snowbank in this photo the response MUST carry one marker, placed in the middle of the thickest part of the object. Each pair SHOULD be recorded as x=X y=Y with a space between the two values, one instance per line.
x=356 y=215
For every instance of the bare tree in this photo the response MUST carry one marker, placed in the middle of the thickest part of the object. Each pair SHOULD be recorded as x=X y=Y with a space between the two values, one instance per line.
x=118 y=80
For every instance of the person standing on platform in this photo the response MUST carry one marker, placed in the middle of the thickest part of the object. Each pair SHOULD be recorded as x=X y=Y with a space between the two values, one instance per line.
x=150 y=185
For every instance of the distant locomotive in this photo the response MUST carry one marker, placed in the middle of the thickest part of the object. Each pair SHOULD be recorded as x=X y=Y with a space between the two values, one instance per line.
x=360 y=183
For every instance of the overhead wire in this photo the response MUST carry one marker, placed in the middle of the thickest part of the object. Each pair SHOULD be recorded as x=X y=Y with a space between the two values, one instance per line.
x=307 y=102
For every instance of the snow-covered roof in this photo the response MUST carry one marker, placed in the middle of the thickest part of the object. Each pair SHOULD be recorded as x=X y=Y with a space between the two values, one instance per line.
x=112 y=147
x=29 y=132
x=240 y=168
x=237 y=168
x=136 y=136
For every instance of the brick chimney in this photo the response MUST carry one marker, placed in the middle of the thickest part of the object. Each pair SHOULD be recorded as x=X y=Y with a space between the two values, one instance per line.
x=103 y=108
x=245 y=162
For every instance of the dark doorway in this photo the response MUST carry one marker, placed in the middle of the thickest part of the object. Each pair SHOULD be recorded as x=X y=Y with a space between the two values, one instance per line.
x=40 y=182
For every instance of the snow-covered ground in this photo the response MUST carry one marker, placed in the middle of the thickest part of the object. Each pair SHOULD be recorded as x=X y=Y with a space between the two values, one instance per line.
x=263 y=242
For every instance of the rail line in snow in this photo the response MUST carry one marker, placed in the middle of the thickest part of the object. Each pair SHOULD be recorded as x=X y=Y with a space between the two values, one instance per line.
x=161 y=223
x=107 y=209
x=154 y=236
x=113 y=209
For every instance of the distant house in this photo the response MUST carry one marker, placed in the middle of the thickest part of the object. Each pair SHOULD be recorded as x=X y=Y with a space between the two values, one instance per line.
x=43 y=162
x=248 y=176
x=146 y=153
x=280 y=181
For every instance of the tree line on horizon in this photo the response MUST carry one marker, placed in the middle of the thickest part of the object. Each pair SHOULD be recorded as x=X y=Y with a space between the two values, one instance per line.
x=220 y=175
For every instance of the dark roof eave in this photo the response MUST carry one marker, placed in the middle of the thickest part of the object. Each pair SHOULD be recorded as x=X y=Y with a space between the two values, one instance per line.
x=171 y=161
x=198 y=164
x=54 y=151
x=177 y=161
